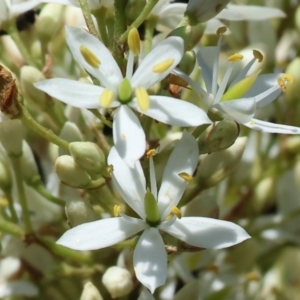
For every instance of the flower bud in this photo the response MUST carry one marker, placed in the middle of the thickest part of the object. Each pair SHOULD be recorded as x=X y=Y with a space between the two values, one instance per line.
x=187 y=62
x=5 y=177
x=134 y=8
x=199 y=11
x=293 y=90
x=118 y=281
x=90 y=292
x=263 y=192
x=28 y=76
x=218 y=136
x=49 y=21
x=89 y=156
x=11 y=137
x=79 y=211
x=70 y=173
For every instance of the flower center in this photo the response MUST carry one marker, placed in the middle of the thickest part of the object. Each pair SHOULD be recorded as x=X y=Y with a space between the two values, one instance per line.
x=151 y=210
x=125 y=91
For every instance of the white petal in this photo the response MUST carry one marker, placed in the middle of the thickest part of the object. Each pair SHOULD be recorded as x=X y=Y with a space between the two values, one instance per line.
x=75 y=93
x=108 y=72
x=213 y=25
x=241 y=110
x=17 y=9
x=174 y=111
x=184 y=158
x=128 y=134
x=253 y=12
x=101 y=234
x=265 y=89
x=150 y=259
x=170 y=48
x=18 y=288
x=130 y=182
x=145 y=295
x=207 y=232
x=271 y=127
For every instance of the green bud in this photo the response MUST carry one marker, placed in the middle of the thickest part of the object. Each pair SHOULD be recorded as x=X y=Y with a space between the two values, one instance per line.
x=263 y=193
x=187 y=62
x=218 y=136
x=125 y=91
x=79 y=211
x=151 y=210
x=5 y=177
x=90 y=292
x=293 y=90
x=11 y=137
x=89 y=156
x=191 y=35
x=70 y=173
x=134 y=8
x=28 y=76
x=49 y=21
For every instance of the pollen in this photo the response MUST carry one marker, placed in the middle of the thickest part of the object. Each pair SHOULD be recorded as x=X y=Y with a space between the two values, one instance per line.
x=221 y=30
x=288 y=77
x=110 y=169
x=134 y=41
x=281 y=83
x=90 y=57
x=163 y=66
x=176 y=212
x=258 y=55
x=117 y=210
x=186 y=177
x=150 y=153
x=143 y=99
x=106 y=98
x=235 y=57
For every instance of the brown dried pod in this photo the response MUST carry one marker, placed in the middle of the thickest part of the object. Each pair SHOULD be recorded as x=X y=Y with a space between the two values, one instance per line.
x=9 y=104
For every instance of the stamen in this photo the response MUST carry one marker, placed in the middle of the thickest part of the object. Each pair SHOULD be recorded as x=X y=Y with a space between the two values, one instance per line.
x=90 y=57
x=221 y=30
x=106 y=98
x=163 y=66
x=110 y=169
x=235 y=57
x=117 y=210
x=176 y=212
x=288 y=77
x=186 y=177
x=143 y=99
x=281 y=83
x=150 y=153
x=258 y=55
x=134 y=42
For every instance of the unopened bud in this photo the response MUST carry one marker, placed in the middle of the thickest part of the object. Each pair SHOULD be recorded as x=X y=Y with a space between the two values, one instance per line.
x=5 y=177
x=134 y=8
x=293 y=90
x=187 y=62
x=11 y=137
x=70 y=173
x=218 y=136
x=90 y=292
x=263 y=192
x=118 y=281
x=89 y=156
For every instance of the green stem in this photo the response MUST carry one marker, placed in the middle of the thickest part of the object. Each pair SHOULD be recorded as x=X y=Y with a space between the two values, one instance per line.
x=10 y=228
x=140 y=19
x=149 y=32
x=27 y=119
x=97 y=183
x=88 y=17
x=100 y=15
x=17 y=167
x=101 y=117
x=14 y=216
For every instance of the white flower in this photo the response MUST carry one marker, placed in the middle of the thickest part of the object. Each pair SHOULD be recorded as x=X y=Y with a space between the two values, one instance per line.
x=124 y=94
x=149 y=257
x=240 y=100
x=93 y=4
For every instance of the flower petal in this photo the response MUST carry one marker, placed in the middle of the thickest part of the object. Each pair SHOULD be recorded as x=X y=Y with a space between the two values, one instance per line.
x=271 y=127
x=130 y=182
x=184 y=158
x=101 y=234
x=20 y=8
x=170 y=48
x=150 y=259
x=241 y=110
x=72 y=92
x=145 y=295
x=206 y=232
x=108 y=72
x=128 y=134
x=174 y=111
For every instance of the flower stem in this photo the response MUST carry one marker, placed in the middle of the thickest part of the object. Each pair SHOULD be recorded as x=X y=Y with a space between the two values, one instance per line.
x=100 y=15
x=10 y=228
x=149 y=32
x=14 y=217
x=27 y=119
x=88 y=17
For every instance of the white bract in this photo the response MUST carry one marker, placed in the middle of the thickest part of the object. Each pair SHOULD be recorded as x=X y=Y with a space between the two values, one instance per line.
x=150 y=257
x=125 y=93
x=239 y=100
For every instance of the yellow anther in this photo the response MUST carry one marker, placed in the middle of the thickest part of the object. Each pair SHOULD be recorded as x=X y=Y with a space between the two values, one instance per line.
x=221 y=30
x=235 y=57
x=134 y=41
x=281 y=83
x=143 y=99
x=258 y=55
x=3 y=202
x=186 y=177
x=150 y=153
x=176 y=212
x=163 y=66
x=252 y=276
x=288 y=77
x=110 y=169
x=117 y=210
x=106 y=98
x=90 y=57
